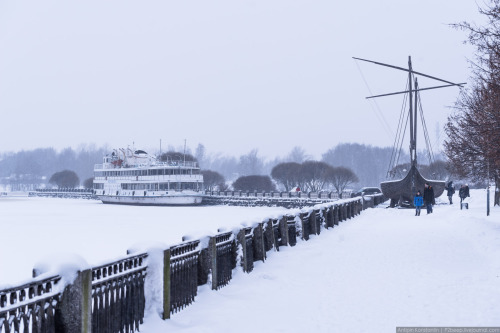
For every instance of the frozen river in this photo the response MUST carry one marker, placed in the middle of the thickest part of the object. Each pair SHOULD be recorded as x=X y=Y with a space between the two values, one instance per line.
x=36 y=229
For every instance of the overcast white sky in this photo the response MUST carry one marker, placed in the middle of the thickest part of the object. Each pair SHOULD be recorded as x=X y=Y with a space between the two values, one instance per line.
x=233 y=75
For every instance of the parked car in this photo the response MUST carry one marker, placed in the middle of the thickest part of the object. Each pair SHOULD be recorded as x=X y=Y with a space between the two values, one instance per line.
x=366 y=191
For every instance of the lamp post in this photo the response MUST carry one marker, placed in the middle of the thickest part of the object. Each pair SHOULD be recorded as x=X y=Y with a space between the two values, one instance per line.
x=488 y=190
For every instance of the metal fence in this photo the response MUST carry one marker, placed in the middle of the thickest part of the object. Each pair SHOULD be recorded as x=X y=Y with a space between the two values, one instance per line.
x=280 y=199
x=118 y=295
x=111 y=297
x=30 y=307
x=183 y=275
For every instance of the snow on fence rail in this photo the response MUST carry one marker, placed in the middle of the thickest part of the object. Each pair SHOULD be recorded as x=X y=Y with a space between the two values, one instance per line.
x=78 y=193
x=112 y=297
x=280 y=199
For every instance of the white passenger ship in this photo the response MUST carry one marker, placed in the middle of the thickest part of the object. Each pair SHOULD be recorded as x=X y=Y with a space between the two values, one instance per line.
x=137 y=178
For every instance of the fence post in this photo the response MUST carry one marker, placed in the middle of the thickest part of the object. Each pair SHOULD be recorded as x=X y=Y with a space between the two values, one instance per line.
x=166 y=284
x=243 y=243
x=312 y=222
x=335 y=212
x=212 y=250
x=269 y=235
x=75 y=307
x=319 y=217
x=284 y=231
x=275 y=232
x=258 y=243
x=306 y=226
x=330 y=219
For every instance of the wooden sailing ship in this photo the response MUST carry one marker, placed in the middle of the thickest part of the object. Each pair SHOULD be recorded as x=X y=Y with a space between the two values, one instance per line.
x=402 y=191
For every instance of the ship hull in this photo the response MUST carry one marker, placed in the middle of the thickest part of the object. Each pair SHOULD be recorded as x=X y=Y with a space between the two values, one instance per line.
x=174 y=200
x=401 y=191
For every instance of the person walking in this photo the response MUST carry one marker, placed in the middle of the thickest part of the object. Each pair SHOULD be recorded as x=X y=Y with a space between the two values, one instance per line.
x=418 y=202
x=463 y=192
x=450 y=191
x=428 y=197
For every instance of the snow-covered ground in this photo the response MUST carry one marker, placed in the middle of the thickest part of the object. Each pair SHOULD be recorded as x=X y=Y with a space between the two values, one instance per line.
x=35 y=230
x=382 y=269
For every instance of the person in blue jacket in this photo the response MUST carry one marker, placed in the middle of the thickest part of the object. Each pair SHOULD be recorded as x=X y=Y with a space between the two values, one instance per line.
x=418 y=202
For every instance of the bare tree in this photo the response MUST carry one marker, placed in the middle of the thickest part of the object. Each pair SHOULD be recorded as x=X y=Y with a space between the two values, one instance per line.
x=314 y=175
x=297 y=155
x=341 y=177
x=473 y=144
x=212 y=179
x=254 y=183
x=287 y=174
x=174 y=156
x=88 y=183
x=250 y=164
x=65 y=179
x=200 y=154
x=438 y=169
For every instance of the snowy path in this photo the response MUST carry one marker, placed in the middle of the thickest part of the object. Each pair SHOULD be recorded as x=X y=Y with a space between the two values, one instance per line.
x=386 y=268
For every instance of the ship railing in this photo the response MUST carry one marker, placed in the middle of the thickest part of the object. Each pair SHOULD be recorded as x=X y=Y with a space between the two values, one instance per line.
x=188 y=164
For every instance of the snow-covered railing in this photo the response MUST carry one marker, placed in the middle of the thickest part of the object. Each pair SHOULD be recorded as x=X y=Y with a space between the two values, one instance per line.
x=182 y=282
x=112 y=297
x=118 y=295
x=30 y=307
x=64 y=193
x=280 y=199
x=257 y=194
x=222 y=249
x=370 y=201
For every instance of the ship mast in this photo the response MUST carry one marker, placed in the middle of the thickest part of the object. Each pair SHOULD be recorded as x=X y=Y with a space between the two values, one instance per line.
x=413 y=109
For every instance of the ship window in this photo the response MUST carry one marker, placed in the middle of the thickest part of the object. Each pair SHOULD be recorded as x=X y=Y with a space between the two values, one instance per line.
x=188 y=186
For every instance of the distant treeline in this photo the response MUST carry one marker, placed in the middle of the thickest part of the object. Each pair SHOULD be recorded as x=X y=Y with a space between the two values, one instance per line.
x=370 y=164
x=38 y=165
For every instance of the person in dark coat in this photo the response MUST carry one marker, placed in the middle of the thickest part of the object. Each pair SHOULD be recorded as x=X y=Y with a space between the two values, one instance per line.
x=463 y=192
x=450 y=191
x=428 y=197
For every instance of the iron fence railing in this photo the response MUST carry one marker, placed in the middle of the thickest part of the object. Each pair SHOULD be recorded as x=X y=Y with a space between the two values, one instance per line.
x=111 y=297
